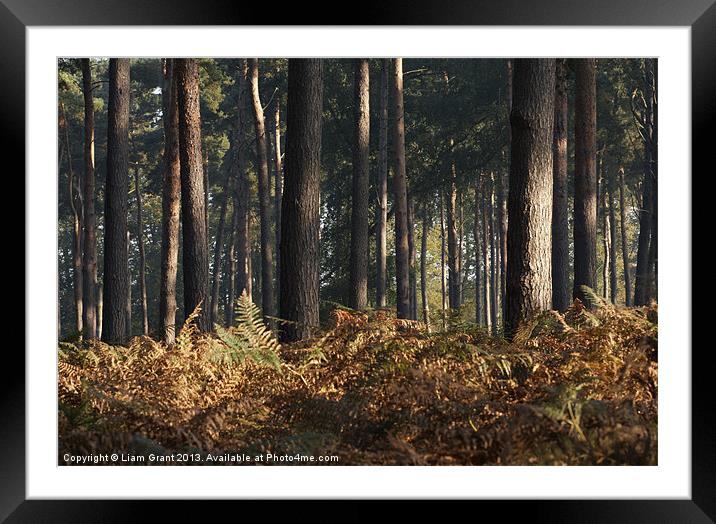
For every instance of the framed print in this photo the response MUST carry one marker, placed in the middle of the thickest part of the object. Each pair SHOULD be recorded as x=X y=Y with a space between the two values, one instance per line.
x=376 y=258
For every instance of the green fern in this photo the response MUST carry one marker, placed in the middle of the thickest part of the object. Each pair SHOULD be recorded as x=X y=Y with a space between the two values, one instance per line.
x=250 y=338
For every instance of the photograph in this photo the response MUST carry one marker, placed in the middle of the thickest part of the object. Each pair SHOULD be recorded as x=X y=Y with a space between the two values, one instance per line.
x=376 y=261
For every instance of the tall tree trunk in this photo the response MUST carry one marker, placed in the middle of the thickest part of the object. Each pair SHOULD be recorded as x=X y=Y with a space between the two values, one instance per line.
x=89 y=243
x=653 y=244
x=560 y=225
x=381 y=211
x=267 y=301
x=479 y=310
x=585 y=178
x=494 y=286
x=645 y=258
x=142 y=259
x=242 y=193
x=625 y=243
x=116 y=271
x=300 y=213
x=486 y=282
x=506 y=185
x=171 y=186
x=278 y=190
x=128 y=324
x=613 y=240
x=219 y=245
x=231 y=256
x=453 y=259
x=443 y=309
x=424 y=269
x=195 y=248
x=529 y=242
x=606 y=232
x=402 y=255
x=359 y=202
x=411 y=254
x=76 y=207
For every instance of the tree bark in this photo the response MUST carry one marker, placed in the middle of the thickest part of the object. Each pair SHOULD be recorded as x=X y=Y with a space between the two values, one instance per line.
x=231 y=256
x=402 y=269
x=613 y=279
x=116 y=272
x=529 y=243
x=585 y=178
x=142 y=259
x=494 y=286
x=300 y=211
x=267 y=298
x=171 y=186
x=479 y=312
x=219 y=245
x=242 y=194
x=486 y=282
x=359 y=201
x=454 y=278
x=76 y=208
x=443 y=309
x=278 y=191
x=89 y=255
x=653 y=244
x=411 y=262
x=381 y=218
x=424 y=270
x=195 y=249
x=625 y=243
x=560 y=199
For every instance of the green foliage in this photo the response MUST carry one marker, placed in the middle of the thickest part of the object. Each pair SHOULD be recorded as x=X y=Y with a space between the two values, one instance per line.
x=250 y=338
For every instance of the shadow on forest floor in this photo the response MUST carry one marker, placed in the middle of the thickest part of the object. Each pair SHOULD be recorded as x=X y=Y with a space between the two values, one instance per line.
x=575 y=389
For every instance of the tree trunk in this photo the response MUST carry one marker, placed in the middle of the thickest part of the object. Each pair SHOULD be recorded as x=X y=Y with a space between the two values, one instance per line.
x=653 y=244
x=300 y=211
x=585 y=178
x=529 y=243
x=493 y=257
x=402 y=255
x=267 y=301
x=606 y=232
x=129 y=291
x=486 y=282
x=116 y=271
x=424 y=270
x=479 y=310
x=219 y=245
x=381 y=218
x=646 y=255
x=613 y=240
x=142 y=260
x=453 y=264
x=278 y=190
x=231 y=283
x=89 y=256
x=171 y=186
x=560 y=198
x=625 y=243
x=411 y=263
x=442 y=263
x=506 y=185
x=76 y=207
x=195 y=249
x=242 y=193
x=359 y=202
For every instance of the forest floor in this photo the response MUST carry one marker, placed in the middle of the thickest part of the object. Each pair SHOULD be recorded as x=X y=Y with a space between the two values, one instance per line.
x=574 y=389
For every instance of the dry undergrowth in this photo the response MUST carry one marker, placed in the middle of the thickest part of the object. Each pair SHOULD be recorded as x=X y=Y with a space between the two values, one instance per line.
x=579 y=388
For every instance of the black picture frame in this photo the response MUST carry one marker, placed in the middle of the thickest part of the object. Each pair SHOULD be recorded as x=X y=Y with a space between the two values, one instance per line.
x=700 y=15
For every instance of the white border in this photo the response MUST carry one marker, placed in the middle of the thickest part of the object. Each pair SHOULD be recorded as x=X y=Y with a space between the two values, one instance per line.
x=670 y=479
